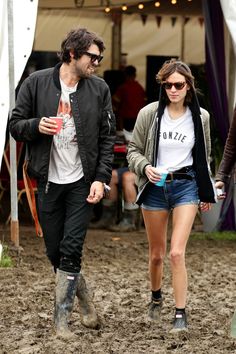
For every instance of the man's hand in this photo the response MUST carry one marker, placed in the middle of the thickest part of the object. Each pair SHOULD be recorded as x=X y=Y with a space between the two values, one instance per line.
x=47 y=126
x=219 y=189
x=96 y=192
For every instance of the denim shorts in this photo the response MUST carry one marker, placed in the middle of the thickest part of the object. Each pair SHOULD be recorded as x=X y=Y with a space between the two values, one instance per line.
x=120 y=172
x=172 y=194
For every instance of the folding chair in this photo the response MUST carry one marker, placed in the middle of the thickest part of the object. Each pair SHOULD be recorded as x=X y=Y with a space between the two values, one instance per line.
x=21 y=189
x=4 y=174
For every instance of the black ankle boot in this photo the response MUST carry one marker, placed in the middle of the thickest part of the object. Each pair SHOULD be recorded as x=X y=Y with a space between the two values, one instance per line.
x=180 y=322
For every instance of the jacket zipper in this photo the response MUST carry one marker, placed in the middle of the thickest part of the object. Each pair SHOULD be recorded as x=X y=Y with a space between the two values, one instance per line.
x=47 y=187
x=109 y=122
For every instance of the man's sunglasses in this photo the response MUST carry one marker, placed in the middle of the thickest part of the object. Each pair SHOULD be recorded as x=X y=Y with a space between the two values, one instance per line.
x=94 y=57
x=177 y=85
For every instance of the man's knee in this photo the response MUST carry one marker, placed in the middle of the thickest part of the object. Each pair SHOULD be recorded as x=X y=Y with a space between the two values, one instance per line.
x=128 y=178
x=70 y=265
x=114 y=177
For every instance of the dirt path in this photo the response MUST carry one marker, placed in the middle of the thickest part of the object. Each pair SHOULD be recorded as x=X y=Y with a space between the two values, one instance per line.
x=116 y=268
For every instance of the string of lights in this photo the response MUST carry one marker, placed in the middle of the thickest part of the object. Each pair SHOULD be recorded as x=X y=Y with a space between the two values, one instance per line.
x=140 y=5
x=109 y=5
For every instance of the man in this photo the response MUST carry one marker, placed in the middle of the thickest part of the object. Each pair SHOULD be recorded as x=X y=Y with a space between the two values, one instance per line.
x=71 y=166
x=128 y=99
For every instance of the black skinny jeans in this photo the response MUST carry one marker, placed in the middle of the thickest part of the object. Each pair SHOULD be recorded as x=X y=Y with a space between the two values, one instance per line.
x=64 y=217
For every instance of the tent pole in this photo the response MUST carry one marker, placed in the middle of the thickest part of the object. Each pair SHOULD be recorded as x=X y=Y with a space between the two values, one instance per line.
x=182 y=40
x=13 y=159
x=116 y=40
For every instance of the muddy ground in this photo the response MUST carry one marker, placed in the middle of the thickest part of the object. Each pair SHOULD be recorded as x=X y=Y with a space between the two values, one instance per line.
x=116 y=267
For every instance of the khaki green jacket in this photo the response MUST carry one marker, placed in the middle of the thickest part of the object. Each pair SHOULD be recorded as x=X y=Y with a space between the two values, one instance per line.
x=144 y=141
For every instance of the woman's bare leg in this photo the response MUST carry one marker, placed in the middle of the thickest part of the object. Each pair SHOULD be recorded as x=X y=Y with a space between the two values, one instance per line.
x=183 y=218
x=156 y=227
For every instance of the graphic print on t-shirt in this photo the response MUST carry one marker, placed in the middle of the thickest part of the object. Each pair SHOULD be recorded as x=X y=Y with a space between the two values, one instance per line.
x=67 y=134
x=65 y=163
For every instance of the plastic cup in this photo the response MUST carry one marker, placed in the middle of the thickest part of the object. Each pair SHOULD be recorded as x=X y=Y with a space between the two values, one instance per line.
x=163 y=174
x=59 y=121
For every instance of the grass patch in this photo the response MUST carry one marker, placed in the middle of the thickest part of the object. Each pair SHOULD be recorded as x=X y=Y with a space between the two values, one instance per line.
x=223 y=235
x=5 y=260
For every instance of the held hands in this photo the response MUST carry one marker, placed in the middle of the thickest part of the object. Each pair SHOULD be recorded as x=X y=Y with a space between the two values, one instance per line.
x=220 y=195
x=219 y=185
x=96 y=192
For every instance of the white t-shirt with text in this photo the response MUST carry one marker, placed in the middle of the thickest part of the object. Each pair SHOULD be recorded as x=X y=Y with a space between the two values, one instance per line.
x=176 y=141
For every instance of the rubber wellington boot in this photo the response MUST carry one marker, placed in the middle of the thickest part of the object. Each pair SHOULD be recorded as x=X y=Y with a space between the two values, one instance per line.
x=66 y=286
x=128 y=222
x=109 y=216
x=87 y=310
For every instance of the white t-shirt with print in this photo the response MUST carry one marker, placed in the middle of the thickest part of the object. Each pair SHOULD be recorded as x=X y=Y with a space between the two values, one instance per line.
x=176 y=141
x=65 y=163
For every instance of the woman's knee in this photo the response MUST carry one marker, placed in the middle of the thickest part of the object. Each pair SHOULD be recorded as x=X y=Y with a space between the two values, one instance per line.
x=177 y=257
x=156 y=259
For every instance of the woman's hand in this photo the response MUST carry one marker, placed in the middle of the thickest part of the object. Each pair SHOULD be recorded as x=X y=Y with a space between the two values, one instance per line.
x=152 y=174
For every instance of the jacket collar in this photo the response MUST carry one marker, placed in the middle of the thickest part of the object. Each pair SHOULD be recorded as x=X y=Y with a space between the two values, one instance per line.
x=56 y=77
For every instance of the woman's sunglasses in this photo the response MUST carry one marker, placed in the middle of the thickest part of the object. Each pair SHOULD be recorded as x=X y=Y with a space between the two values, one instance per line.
x=94 y=57
x=177 y=85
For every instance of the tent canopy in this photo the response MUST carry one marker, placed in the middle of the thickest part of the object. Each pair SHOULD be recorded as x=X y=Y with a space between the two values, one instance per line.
x=168 y=30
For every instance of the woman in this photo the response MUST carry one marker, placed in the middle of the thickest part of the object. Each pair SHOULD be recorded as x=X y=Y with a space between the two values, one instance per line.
x=229 y=157
x=172 y=134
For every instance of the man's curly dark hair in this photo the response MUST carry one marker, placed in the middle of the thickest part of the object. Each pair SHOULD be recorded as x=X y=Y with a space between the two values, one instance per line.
x=78 y=41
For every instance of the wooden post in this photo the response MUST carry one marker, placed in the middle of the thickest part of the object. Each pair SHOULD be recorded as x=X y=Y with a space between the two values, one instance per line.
x=182 y=39
x=116 y=40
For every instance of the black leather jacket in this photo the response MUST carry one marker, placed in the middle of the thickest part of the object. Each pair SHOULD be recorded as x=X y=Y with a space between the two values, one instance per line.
x=39 y=97
x=229 y=155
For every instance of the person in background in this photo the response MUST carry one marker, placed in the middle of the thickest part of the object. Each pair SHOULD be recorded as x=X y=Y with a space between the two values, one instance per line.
x=128 y=99
x=73 y=166
x=123 y=183
x=228 y=159
x=223 y=175
x=171 y=134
